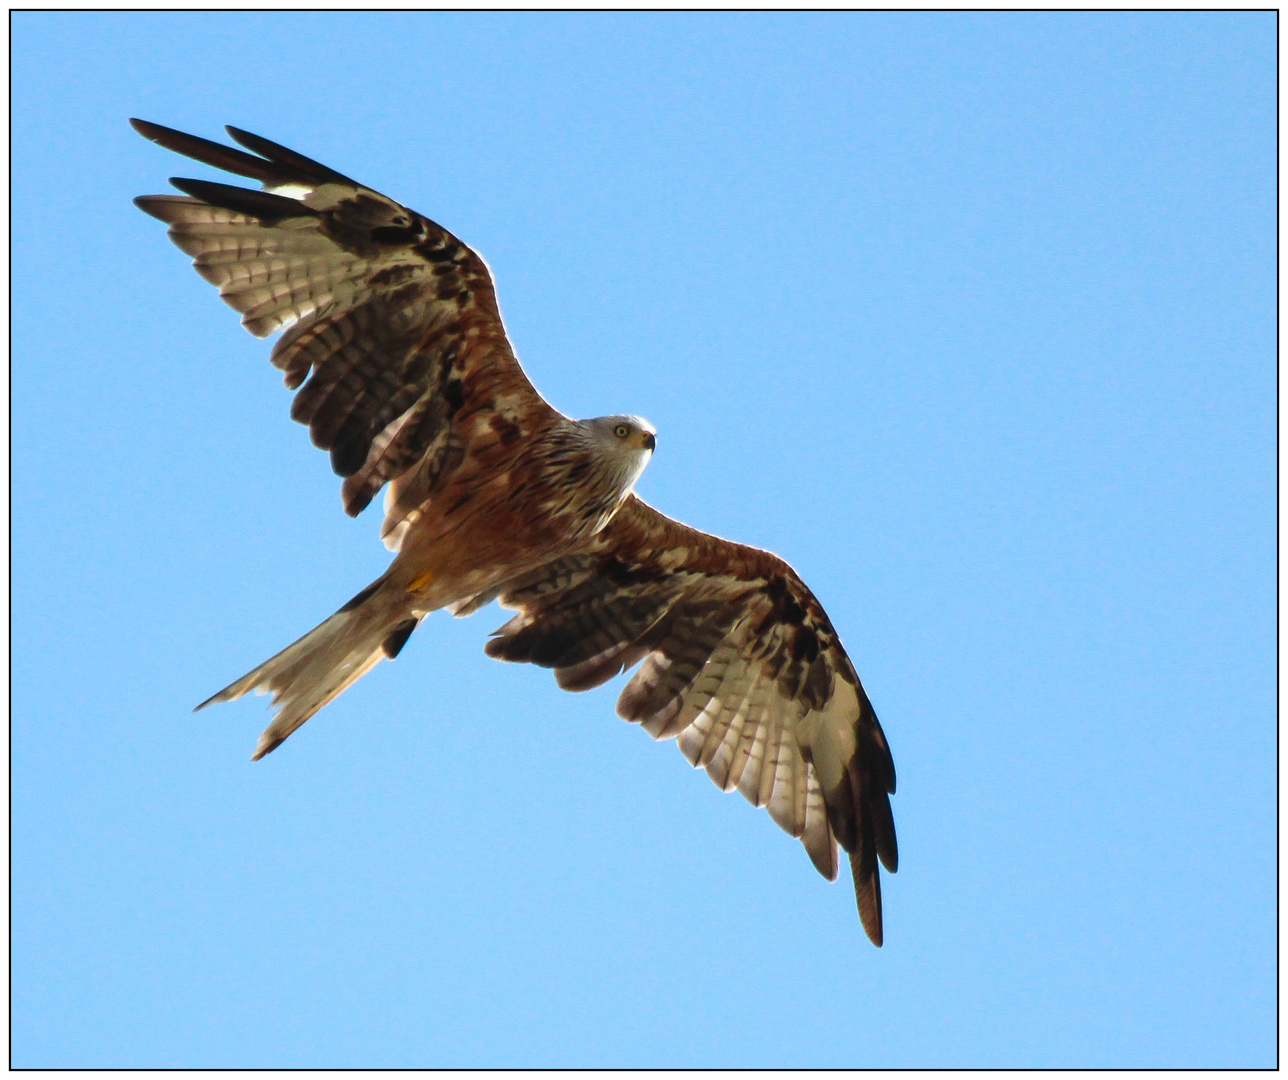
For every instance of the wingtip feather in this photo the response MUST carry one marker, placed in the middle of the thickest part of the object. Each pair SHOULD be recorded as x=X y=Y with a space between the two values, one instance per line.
x=284 y=157
x=867 y=893
x=148 y=129
x=215 y=699
x=266 y=745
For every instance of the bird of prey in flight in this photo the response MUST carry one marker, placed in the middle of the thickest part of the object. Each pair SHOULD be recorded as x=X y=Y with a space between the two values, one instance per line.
x=404 y=373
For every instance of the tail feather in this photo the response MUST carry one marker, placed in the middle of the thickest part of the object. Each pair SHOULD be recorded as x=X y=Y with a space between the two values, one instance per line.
x=313 y=671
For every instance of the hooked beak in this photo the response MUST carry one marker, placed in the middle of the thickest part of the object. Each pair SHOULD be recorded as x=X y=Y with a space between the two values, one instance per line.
x=650 y=441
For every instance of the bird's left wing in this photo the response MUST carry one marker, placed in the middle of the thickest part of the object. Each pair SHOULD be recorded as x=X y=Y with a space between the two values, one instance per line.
x=740 y=664
x=391 y=318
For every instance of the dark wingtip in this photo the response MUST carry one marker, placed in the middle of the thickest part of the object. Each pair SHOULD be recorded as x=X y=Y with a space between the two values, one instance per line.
x=263 y=205
x=228 y=158
x=884 y=835
x=170 y=138
x=147 y=129
x=283 y=156
x=867 y=891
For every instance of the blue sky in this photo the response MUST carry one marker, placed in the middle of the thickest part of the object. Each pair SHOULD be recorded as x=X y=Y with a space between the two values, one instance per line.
x=969 y=317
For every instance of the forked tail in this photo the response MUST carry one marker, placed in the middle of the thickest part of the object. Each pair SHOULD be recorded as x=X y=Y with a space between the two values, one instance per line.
x=327 y=660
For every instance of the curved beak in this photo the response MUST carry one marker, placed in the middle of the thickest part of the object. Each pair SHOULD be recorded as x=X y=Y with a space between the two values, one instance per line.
x=650 y=441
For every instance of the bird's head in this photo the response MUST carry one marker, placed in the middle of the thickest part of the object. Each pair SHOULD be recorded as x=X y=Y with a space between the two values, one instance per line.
x=624 y=434
x=625 y=441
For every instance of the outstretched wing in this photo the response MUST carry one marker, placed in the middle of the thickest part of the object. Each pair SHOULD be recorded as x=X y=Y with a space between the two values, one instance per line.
x=394 y=317
x=740 y=665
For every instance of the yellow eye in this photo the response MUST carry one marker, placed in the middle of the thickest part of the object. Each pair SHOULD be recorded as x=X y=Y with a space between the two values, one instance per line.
x=621 y=431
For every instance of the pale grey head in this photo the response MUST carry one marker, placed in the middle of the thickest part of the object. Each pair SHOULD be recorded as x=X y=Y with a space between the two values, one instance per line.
x=624 y=444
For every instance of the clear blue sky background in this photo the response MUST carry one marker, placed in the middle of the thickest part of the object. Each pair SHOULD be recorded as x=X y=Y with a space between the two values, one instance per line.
x=970 y=317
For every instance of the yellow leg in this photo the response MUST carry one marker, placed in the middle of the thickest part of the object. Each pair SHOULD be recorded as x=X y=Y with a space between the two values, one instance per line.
x=421 y=582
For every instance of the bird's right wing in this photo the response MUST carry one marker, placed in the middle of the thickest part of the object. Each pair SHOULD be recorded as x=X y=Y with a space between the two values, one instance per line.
x=392 y=319
x=740 y=665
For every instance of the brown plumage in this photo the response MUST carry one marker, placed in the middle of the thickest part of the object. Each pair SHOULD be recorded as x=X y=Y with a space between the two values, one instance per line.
x=395 y=346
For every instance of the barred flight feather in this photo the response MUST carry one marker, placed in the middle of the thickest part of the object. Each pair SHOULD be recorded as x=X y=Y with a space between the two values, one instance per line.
x=722 y=689
x=720 y=766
